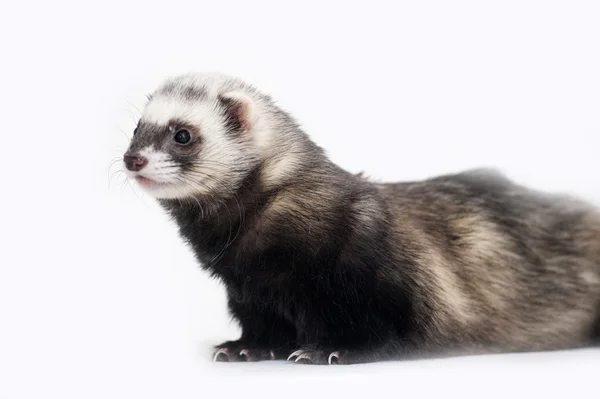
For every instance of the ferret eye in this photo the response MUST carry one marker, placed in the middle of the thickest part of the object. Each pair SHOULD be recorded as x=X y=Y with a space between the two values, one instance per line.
x=135 y=131
x=183 y=136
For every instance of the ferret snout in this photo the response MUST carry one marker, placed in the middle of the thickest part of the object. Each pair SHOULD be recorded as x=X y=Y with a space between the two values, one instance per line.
x=135 y=162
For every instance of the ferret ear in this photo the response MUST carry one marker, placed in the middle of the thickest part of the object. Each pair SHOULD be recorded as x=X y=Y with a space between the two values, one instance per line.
x=239 y=111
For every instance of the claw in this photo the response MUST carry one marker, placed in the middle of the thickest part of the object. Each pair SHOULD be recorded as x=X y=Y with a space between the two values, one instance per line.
x=223 y=352
x=295 y=354
x=304 y=355
x=334 y=357
x=244 y=352
x=272 y=355
x=299 y=355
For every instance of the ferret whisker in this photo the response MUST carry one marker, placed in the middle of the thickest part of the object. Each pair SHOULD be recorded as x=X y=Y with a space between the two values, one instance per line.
x=114 y=175
x=135 y=192
x=134 y=118
x=194 y=199
x=136 y=108
x=123 y=183
x=127 y=137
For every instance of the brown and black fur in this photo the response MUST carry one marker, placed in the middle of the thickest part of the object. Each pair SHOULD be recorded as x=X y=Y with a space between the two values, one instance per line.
x=326 y=261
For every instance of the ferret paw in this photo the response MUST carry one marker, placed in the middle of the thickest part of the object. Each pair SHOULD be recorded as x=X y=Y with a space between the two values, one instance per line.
x=239 y=352
x=329 y=356
x=315 y=356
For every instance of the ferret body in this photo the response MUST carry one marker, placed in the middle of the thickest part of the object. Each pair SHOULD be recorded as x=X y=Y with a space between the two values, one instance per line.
x=322 y=266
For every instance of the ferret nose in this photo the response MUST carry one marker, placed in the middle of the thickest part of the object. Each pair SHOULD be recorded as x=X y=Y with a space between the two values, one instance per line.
x=134 y=162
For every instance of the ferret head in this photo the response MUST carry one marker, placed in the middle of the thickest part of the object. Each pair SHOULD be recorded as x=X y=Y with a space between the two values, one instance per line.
x=199 y=135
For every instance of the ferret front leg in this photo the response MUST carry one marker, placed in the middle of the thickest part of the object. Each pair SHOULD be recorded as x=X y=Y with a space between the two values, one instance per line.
x=265 y=336
x=340 y=335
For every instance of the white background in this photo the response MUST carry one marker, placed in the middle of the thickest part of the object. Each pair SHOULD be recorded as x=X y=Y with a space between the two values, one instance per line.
x=98 y=297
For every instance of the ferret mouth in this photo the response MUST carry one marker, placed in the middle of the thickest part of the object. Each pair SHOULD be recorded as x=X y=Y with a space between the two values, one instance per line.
x=147 y=182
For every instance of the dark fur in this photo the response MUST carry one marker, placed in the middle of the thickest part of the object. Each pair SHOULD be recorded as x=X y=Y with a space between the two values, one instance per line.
x=328 y=261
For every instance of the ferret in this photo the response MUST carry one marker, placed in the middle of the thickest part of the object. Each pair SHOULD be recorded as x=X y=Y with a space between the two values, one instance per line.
x=323 y=266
